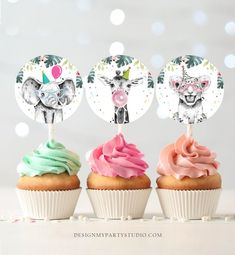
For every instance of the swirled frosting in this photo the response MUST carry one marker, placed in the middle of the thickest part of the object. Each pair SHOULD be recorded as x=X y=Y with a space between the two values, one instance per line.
x=50 y=157
x=117 y=158
x=187 y=158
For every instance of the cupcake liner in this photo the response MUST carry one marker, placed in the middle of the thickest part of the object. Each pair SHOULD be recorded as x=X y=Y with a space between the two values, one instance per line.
x=115 y=204
x=188 y=204
x=48 y=204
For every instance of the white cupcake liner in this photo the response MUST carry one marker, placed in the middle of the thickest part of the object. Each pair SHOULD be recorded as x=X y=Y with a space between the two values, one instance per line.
x=188 y=204
x=48 y=204
x=116 y=204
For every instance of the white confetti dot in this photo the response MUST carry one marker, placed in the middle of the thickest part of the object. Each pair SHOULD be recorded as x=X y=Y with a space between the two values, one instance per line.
x=117 y=17
x=80 y=217
x=12 y=30
x=183 y=220
x=230 y=28
x=206 y=218
x=116 y=48
x=228 y=218
x=158 y=28
x=199 y=50
x=229 y=61
x=200 y=18
x=84 y=5
x=157 y=61
x=22 y=129
x=162 y=112
x=72 y=218
x=85 y=219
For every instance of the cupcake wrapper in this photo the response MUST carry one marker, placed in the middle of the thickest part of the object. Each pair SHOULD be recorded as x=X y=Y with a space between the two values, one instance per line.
x=115 y=204
x=48 y=204
x=188 y=204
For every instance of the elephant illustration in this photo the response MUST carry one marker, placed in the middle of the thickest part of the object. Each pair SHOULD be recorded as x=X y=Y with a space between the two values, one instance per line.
x=48 y=99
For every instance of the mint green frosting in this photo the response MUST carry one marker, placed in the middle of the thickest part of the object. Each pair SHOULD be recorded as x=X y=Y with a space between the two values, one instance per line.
x=50 y=157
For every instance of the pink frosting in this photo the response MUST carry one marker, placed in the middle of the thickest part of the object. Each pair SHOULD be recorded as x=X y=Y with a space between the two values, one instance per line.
x=187 y=158
x=117 y=158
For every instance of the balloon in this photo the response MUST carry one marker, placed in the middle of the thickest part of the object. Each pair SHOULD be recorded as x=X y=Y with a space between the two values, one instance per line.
x=56 y=71
x=119 y=98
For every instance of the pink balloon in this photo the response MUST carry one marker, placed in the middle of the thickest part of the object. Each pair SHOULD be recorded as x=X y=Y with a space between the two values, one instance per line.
x=56 y=71
x=119 y=98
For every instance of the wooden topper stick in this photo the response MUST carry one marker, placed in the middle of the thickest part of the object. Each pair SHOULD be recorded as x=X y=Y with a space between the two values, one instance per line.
x=51 y=131
x=120 y=128
x=189 y=130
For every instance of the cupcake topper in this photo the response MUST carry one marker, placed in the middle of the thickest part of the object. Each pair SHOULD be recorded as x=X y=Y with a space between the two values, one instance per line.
x=190 y=89
x=119 y=89
x=48 y=89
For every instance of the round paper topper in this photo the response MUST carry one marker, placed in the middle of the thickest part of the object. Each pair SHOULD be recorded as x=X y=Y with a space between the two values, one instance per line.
x=119 y=89
x=189 y=89
x=48 y=89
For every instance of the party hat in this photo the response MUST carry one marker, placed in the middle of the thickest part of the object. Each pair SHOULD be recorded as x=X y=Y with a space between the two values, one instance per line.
x=185 y=74
x=45 y=80
x=126 y=74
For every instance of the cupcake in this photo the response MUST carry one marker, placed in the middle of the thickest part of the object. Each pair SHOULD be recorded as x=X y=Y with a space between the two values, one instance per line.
x=48 y=187
x=189 y=184
x=118 y=186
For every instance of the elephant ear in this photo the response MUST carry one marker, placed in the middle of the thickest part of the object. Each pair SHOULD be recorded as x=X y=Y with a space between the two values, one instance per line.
x=30 y=91
x=67 y=93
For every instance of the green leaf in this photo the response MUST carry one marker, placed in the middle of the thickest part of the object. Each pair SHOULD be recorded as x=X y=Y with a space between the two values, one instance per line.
x=212 y=67
x=65 y=62
x=150 y=81
x=160 y=78
x=123 y=60
x=52 y=60
x=91 y=76
x=79 y=81
x=136 y=62
x=177 y=61
x=192 y=61
x=36 y=60
x=206 y=63
x=19 y=77
x=108 y=60
x=220 y=82
x=70 y=66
